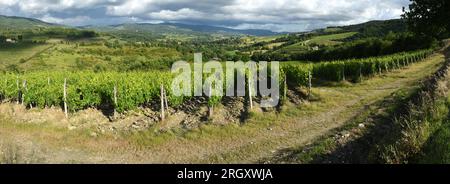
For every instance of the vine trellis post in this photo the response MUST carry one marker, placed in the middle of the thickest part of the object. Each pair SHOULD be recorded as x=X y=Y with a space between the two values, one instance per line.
x=115 y=99
x=18 y=90
x=250 y=93
x=285 y=87
x=309 y=84
x=24 y=87
x=343 y=73
x=360 y=72
x=211 y=106
x=165 y=101
x=65 y=98
x=162 y=102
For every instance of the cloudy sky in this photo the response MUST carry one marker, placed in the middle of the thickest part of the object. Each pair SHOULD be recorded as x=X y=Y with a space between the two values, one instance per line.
x=275 y=15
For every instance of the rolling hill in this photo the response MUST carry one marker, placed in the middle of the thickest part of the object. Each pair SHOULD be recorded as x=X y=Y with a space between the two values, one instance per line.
x=376 y=28
x=222 y=30
x=174 y=30
x=12 y=23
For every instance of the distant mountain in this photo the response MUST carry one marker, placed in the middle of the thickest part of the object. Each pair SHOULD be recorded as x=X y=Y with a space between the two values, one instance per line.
x=12 y=23
x=156 y=29
x=222 y=30
x=178 y=29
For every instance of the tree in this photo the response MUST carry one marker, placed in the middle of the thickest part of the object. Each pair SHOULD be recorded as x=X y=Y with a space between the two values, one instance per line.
x=429 y=17
x=2 y=39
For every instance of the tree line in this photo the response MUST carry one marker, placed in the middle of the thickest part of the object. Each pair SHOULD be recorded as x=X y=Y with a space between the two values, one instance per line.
x=369 y=47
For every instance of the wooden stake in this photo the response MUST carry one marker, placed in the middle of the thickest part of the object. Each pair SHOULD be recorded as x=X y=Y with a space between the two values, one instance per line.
x=24 y=86
x=343 y=74
x=285 y=87
x=115 y=99
x=162 y=102
x=165 y=101
x=309 y=84
x=115 y=94
x=65 y=98
x=360 y=73
x=18 y=90
x=250 y=92
x=6 y=84
x=210 y=108
x=379 y=69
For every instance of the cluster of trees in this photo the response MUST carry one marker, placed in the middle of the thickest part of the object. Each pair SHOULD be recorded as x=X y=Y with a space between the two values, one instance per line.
x=81 y=34
x=429 y=18
x=60 y=32
x=141 y=63
x=217 y=49
x=68 y=33
x=41 y=35
x=362 y=48
x=375 y=29
x=211 y=49
x=2 y=39
x=393 y=43
x=17 y=38
x=290 y=39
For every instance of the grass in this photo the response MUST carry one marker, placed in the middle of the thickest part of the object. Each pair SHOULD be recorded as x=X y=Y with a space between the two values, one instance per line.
x=13 y=54
x=265 y=38
x=324 y=40
x=86 y=54
x=437 y=147
x=74 y=56
x=298 y=47
x=437 y=150
x=272 y=45
x=331 y=30
x=330 y=39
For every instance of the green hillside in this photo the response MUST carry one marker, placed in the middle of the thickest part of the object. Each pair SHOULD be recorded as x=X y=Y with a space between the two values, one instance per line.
x=8 y=23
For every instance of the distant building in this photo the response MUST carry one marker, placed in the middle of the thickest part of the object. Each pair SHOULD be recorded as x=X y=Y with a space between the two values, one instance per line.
x=9 y=40
x=315 y=48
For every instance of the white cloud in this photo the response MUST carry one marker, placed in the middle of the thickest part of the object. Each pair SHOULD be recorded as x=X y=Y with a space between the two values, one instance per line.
x=76 y=21
x=131 y=7
x=180 y=14
x=289 y=15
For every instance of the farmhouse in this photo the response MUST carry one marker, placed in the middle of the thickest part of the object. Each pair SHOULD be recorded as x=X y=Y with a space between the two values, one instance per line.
x=9 y=40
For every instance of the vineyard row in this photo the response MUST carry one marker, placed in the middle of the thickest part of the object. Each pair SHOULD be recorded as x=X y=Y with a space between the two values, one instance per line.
x=127 y=91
